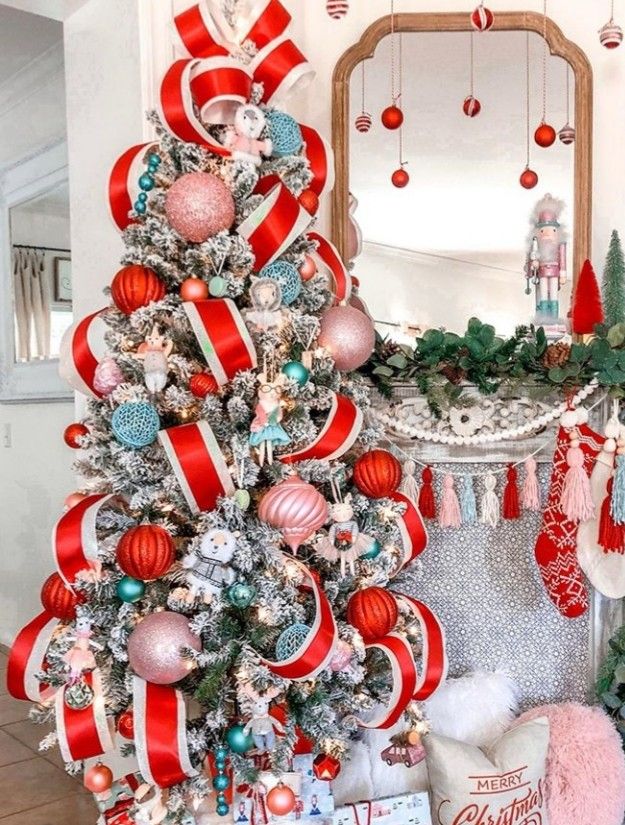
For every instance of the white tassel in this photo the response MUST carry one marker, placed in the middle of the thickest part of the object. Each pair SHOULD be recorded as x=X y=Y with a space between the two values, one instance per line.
x=489 y=506
x=409 y=486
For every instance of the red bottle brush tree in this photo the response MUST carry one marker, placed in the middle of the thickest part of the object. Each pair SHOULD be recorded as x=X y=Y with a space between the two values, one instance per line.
x=587 y=309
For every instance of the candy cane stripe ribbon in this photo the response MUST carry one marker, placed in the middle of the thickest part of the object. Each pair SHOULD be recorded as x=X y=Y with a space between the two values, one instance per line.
x=26 y=658
x=327 y=255
x=161 y=734
x=222 y=336
x=337 y=436
x=198 y=464
x=269 y=20
x=412 y=529
x=124 y=183
x=281 y=68
x=404 y=680
x=83 y=733
x=434 y=655
x=74 y=539
x=203 y=31
x=321 y=159
x=79 y=353
x=318 y=648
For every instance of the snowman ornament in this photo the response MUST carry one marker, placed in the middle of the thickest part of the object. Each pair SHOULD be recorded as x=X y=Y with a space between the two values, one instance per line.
x=208 y=567
x=244 y=139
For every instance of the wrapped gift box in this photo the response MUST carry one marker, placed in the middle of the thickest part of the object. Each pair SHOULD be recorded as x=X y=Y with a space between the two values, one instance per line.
x=405 y=809
x=115 y=804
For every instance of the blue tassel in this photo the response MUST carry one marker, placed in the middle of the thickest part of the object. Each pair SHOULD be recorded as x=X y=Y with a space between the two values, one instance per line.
x=468 y=506
x=618 y=491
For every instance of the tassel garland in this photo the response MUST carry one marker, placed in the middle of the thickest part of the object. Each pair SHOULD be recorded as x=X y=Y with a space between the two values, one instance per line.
x=511 y=509
x=530 y=495
x=611 y=535
x=450 y=507
x=427 y=504
x=576 y=501
x=468 y=505
x=489 y=509
x=618 y=492
x=409 y=486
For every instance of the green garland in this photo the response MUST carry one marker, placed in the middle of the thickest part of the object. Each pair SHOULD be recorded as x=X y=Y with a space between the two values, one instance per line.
x=441 y=364
x=610 y=685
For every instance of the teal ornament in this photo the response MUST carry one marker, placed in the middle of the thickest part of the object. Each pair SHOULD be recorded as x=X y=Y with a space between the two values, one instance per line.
x=287 y=276
x=130 y=590
x=221 y=754
x=146 y=182
x=221 y=782
x=222 y=809
x=296 y=371
x=135 y=424
x=242 y=499
x=285 y=133
x=241 y=595
x=291 y=640
x=154 y=159
x=142 y=197
x=217 y=286
x=140 y=207
x=238 y=741
x=373 y=552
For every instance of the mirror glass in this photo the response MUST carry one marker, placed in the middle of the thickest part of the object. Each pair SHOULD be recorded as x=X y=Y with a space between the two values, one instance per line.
x=456 y=241
x=41 y=273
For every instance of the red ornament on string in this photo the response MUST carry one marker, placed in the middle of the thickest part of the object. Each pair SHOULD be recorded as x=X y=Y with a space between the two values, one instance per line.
x=98 y=779
x=545 y=135
x=482 y=19
x=373 y=612
x=126 y=725
x=136 y=286
x=73 y=435
x=471 y=106
x=146 y=552
x=528 y=179
x=400 y=178
x=280 y=800
x=392 y=117
x=326 y=767
x=377 y=473
x=203 y=384
x=58 y=599
x=337 y=8
x=587 y=309
x=193 y=289
x=310 y=201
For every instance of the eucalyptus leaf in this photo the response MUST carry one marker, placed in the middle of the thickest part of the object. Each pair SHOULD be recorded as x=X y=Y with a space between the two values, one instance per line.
x=619 y=673
x=610 y=700
x=399 y=361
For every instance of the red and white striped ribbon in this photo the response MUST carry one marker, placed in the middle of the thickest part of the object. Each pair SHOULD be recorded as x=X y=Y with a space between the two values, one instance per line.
x=318 y=648
x=268 y=21
x=412 y=529
x=219 y=85
x=434 y=653
x=85 y=733
x=274 y=225
x=223 y=337
x=82 y=349
x=340 y=431
x=161 y=734
x=321 y=159
x=203 y=30
x=124 y=183
x=282 y=69
x=26 y=658
x=198 y=464
x=74 y=539
x=326 y=254
x=404 y=680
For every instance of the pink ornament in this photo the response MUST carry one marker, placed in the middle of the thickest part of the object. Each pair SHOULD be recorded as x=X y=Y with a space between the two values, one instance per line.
x=155 y=645
x=295 y=508
x=108 y=376
x=199 y=205
x=348 y=335
x=342 y=657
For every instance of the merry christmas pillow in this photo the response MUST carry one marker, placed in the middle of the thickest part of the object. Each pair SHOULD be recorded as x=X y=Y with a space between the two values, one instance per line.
x=502 y=784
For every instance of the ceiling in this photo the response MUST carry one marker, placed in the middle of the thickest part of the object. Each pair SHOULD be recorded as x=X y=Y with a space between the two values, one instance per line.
x=23 y=38
x=53 y=202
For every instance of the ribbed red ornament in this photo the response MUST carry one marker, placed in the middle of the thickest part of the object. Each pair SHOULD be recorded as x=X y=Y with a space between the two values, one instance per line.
x=146 y=552
x=545 y=135
x=528 y=179
x=58 y=599
x=73 y=433
x=392 y=117
x=326 y=767
x=482 y=19
x=373 y=612
x=136 y=286
x=310 y=201
x=126 y=725
x=400 y=178
x=377 y=473
x=203 y=384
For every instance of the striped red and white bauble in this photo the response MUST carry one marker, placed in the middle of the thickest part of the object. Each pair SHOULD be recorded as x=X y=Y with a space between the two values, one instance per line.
x=482 y=19
x=363 y=122
x=471 y=106
x=611 y=35
x=567 y=134
x=337 y=8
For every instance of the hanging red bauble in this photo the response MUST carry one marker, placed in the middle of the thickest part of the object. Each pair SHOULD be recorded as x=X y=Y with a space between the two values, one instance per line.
x=310 y=201
x=611 y=35
x=280 y=800
x=400 y=178
x=73 y=435
x=58 y=599
x=136 y=286
x=471 y=106
x=363 y=122
x=146 y=552
x=377 y=473
x=337 y=8
x=308 y=269
x=194 y=289
x=482 y=19
x=126 y=725
x=72 y=500
x=326 y=767
x=545 y=135
x=528 y=179
x=98 y=779
x=203 y=384
x=373 y=612
x=567 y=134
x=392 y=117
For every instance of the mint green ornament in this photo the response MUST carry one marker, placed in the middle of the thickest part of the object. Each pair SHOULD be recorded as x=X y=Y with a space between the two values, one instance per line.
x=130 y=590
x=238 y=741
x=374 y=552
x=217 y=286
x=242 y=499
x=296 y=371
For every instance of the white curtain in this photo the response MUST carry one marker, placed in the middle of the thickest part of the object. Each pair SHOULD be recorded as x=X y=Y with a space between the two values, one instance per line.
x=31 y=287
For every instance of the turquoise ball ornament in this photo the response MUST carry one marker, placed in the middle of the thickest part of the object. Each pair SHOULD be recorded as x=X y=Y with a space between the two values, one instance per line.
x=241 y=595
x=296 y=371
x=285 y=133
x=291 y=640
x=130 y=590
x=140 y=207
x=221 y=754
x=287 y=276
x=238 y=741
x=135 y=424
x=146 y=182
x=221 y=782
x=374 y=552
x=222 y=809
x=217 y=286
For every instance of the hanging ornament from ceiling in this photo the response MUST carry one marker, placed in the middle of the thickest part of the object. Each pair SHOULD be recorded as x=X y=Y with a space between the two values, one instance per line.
x=545 y=135
x=337 y=8
x=529 y=178
x=392 y=116
x=611 y=35
x=363 y=120
x=482 y=19
x=400 y=178
x=567 y=132
x=472 y=106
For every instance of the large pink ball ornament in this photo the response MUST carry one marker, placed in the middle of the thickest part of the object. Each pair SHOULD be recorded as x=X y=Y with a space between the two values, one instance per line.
x=198 y=206
x=155 y=645
x=348 y=335
x=295 y=508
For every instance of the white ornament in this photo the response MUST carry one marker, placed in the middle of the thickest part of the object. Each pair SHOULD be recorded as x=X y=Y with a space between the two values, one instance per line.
x=154 y=354
x=262 y=725
x=208 y=567
x=243 y=139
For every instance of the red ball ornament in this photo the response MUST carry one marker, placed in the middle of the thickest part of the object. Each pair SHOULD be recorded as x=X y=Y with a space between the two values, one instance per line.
x=326 y=767
x=471 y=106
x=73 y=434
x=392 y=117
x=400 y=178
x=373 y=612
x=72 y=500
x=203 y=384
x=58 y=599
x=280 y=800
x=310 y=201
x=194 y=289
x=98 y=779
x=545 y=135
x=146 y=552
x=136 y=286
x=528 y=179
x=482 y=19
x=126 y=725
x=377 y=473
x=308 y=269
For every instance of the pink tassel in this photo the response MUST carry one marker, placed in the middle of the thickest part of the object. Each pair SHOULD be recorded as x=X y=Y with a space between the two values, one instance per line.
x=576 y=501
x=449 y=515
x=530 y=496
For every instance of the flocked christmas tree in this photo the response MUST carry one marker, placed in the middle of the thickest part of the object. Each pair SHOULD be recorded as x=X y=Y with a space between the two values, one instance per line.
x=236 y=532
x=613 y=283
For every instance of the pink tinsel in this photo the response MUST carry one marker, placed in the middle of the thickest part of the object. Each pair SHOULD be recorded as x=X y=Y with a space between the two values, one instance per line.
x=576 y=502
x=449 y=515
x=530 y=495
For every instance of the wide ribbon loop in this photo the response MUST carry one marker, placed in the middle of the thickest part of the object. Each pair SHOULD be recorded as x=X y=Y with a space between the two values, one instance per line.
x=318 y=648
x=219 y=85
x=269 y=20
x=85 y=733
x=198 y=464
x=321 y=159
x=404 y=680
x=26 y=658
x=411 y=528
x=282 y=69
x=222 y=336
x=124 y=183
x=82 y=347
x=327 y=255
x=434 y=653
x=340 y=431
x=74 y=539
x=161 y=734
x=204 y=31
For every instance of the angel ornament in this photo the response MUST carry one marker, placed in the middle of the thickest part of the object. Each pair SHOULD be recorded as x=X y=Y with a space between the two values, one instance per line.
x=267 y=431
x=267 y=311
x=344 y=541
x=262 y=725
x=154 y=353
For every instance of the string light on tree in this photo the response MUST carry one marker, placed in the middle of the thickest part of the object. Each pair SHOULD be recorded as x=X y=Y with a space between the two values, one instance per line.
x=567 y=132
x=611 y=35
x=545 y=135
x=363 y=120
x=471 y=105
x=528 y=178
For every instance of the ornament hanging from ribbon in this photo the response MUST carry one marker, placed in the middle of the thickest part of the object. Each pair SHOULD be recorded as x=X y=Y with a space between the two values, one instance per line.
x=124 y=183
x=83 y=733
x=338 y=434
x=82 y=349
x=327 y=254
x=74 y=539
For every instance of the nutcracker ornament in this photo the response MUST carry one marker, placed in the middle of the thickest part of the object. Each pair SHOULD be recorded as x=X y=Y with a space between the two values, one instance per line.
x=545 y=268
x=154 y=354
x=262 y=726
x=267 y=431
x=344 y=541
x=243 y=139
x=208 y=567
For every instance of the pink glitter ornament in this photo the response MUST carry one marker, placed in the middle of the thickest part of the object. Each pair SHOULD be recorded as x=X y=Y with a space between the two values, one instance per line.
x=155 y=645
x=348 y=335
x=198 y=206
x=342 y=657
x=108 y=376
x=295 y=508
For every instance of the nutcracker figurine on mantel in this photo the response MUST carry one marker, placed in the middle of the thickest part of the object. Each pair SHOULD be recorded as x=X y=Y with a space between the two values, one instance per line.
x=545 y=267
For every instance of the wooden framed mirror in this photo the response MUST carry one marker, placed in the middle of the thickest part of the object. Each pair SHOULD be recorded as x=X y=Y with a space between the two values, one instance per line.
x=567 y=169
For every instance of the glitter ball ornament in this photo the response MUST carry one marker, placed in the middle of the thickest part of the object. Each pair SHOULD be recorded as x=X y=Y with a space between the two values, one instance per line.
x=98 y=779
x=198 y=206
x=107 y=376
x=377 y=473
x=567 y=134
x=155 y=647
x=363 y=122
x=130 y=590
x=471 y=106
x=285 y=134
x=337 y=8
x=126 y=725
x=400 y=178
x=193 y=289
x=482 y=19
x=58 y=599
x=239 y=741
x=310 y=201
x=528 y=179
x=308 y=269
x=296 y=371
x=295 y=508
x=287 y=276
x=326 y=767
x=74 y=434
x=342 y=657
x=146 y=552
x=136 y=286
x=545 y=135
x=79 y=695
x=241 y=595
x=373 y=612
x=392 y=117
x=135 y=424
x=203 y=384
x=611 y=35
x=348 y=336
x=280 y=800
x=290 y=641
